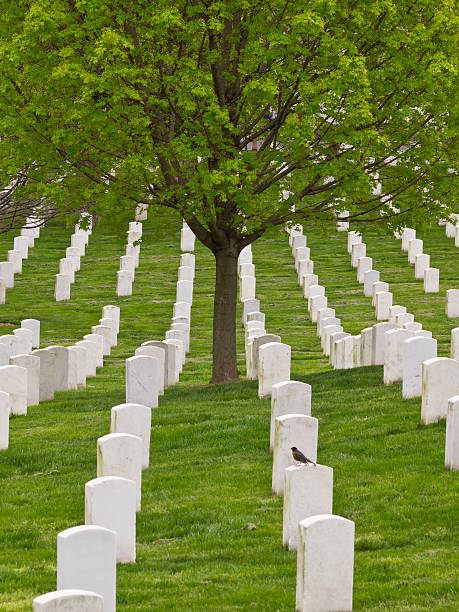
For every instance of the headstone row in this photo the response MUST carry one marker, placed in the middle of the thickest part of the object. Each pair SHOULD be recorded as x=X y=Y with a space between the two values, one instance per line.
x=33 y=375
x=113 y=498
x=71 y=263
x=129 y=262
x=22 y=243
x=307 y=489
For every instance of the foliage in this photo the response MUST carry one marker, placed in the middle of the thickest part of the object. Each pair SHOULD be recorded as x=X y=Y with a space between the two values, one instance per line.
x=106 y=104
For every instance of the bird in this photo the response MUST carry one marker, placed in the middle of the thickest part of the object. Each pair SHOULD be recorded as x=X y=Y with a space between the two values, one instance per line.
x=299 y=457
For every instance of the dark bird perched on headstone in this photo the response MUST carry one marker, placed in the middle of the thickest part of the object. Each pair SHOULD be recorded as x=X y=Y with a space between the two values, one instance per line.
x=299 y=457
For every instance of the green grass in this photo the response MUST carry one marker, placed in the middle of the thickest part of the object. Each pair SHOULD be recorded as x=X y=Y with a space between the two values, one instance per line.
x=210 y=466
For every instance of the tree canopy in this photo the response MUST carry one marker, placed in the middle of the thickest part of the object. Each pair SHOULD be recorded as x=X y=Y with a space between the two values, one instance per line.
x=108 y=104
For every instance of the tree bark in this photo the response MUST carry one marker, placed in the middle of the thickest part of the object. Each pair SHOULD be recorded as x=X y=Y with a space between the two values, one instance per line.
x=224 y=363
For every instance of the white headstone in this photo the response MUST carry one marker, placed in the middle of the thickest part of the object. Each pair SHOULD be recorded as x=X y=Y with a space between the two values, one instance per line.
x=24 y=339
x=289 y=397
x=366 y=343
x=4 y=419
x=421 y=262
x=187 y=272
x=13 y=380
x=301 y=253
x=110 y=502
x=62 y=285
x=253 y=352
x=78 y=365
x=450 y=229
x=46 y=391
x=298 y=241
x=15 y=259
x=393 y=354
x=247 y=287
x=256 y=316
x=141 y=212
x=412 y=326
x=133 y=250
x=415 y=247
x=290 y=430
x=133 y=236
x=11 y=343
x=334 y=339
x=182 y=309
x=305 y=267
x=34 y=326
x=308 y=490
x=166 y=359
x=184 y=291
x=377 y=342
x=91 y=357
x=78 y=241
x=7 y=274
x=187 y=239
x=363 y=265
x=359 y=249
x=127 y=263
x=452 y=303
x=21 y=244
x=402 y=318
x=174 y=366
x=69 y=600
x=440 y=381
x=378 y=287
x=249 y=306
x=394 y=311
x=407 y=235
x=325 y=340
x=308 y=280
x=353 y=238
x=86 y=559
x=314 y=291
x=188 y=259
x=112 y=312
x=61 y=367
x=179 y=336
x=452 y=434
x=455 y=343
x=111 y=323
x=123 y=283
x=160 y=354
x=415 y=352
x=383 y=302
x=325 y=564
x=67 y=267
x=141 y=380
x=133 y=419
x=326 y=316
x=73 y=253
x=98 y=341
x=316 y=303
x=107 y=334
x=431 y=280
x=120 y=454
x=369 y=278
x=273 y=366
x=32 y=364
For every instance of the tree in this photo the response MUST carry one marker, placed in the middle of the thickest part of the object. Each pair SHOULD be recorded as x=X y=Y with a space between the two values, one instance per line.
x=109 y=104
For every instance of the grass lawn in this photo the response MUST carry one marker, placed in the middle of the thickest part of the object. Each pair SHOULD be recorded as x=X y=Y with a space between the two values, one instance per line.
x=209 y=480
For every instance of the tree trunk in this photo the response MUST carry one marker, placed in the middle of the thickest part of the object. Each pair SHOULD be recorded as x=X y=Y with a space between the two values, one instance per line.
x=224 y=365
